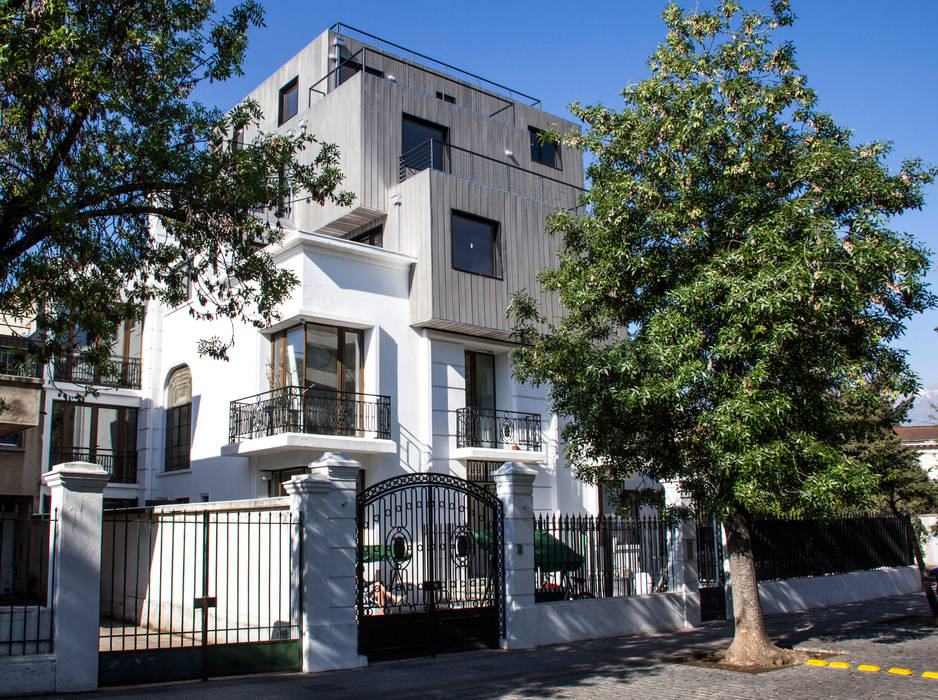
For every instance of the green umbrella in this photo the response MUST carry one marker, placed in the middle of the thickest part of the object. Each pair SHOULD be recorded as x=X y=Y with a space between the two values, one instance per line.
x=550 y=554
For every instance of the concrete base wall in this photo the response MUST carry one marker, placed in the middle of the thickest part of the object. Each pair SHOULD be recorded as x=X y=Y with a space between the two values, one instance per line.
x=822 y=591
x=27 y=675
x=574 y=620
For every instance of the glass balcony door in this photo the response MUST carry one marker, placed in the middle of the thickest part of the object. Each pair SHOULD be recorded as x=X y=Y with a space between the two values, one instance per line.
x=480 y=397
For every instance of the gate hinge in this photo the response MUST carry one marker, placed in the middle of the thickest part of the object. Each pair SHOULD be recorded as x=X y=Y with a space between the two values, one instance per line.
x=205 y=602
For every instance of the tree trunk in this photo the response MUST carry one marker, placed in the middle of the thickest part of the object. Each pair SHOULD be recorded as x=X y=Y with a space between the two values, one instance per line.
x=751 y=644
x=920 y=561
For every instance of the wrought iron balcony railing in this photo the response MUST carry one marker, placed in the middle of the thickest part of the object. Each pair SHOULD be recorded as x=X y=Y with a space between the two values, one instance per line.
x=295 y=409
x=120 y=464
x=502 y=175
x=503 y=430
x=119 y=372
x=14 y=362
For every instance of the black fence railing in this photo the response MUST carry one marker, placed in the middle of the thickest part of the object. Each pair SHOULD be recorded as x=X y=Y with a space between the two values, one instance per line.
x=121 y=465
x=795 y=548
x=506 y=430
x=119 y=372
x=14 y=361
x=26 y=570
x=503 y=175
x=582 y=556
x=294 y=409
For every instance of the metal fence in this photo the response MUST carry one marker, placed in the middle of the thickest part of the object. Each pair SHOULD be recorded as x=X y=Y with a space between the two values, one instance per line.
x=26 y=570
x=484 y=427
x=123 y=372
x=795 y=548
x=582 y=556
x=14 y=360
x=121 y=465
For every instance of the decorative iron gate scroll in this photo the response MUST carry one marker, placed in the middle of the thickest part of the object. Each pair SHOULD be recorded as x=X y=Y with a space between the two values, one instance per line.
x=430 y=566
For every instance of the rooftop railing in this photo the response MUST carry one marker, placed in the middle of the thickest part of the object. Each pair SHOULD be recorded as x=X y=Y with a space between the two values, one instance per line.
x=502 y=175
x=504 y=430
x=296 y=409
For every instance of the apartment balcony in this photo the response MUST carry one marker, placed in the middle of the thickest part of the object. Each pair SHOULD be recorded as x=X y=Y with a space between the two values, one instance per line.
x=121 y=465
x=299 y=418
x=488 y=434
x=485 y=170
x=20 y=387
x=120 y=372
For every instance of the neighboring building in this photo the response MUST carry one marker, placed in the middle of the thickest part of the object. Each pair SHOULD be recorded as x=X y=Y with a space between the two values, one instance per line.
x=924 y=440
x=394 y=348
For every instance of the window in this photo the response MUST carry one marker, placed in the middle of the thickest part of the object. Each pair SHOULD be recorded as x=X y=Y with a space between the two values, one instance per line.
x=475 y=245
x=103 y=435
x=480 y=380
x=178 y=420
x=313 y=355
x=422 y=144
x=545 y=153
x=284 y=194
x=237 y=140
x=289 y=101
x=374 y=71
x=373 y=236
x=13 y=439
x=446 y=98
x=479 y=472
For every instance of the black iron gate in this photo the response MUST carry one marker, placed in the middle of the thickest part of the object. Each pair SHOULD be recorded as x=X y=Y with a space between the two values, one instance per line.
x=430 y=567
x=710 y=571
x=195 y=593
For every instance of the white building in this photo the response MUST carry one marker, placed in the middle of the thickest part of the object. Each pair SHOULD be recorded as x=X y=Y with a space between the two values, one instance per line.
x=394 y=347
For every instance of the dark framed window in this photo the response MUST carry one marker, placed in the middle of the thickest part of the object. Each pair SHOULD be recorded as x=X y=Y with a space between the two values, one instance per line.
x=423 y=144
x=480 y=472
x=440 y=95
x=318 y=356
x=97 y=433
x=476 y=245
x=543 y=152
x=178 y=420
x=480 y=380
x=373 y=236
x=289 y=101
x=237 y=140
x=13 y=439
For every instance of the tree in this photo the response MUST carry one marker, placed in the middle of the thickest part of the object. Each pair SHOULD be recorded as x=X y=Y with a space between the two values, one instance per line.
x=116 y=188
x=734 y=275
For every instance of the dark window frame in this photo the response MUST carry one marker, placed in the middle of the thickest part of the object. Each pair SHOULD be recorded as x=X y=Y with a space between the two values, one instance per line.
x=291 y=86
x=373 y=236
x=277 y=382
x=497 y=261
x=538 y=150
x=440 y=95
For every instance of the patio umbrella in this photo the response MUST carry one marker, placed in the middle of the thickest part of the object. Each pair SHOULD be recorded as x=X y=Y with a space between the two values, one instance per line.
x=550 y=554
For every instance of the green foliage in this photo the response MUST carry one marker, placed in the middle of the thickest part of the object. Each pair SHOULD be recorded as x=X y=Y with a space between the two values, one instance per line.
x=734 y=278
x=99 y=140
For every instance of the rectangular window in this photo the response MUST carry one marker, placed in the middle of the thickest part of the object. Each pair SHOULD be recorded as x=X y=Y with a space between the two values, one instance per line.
x=546 y=152
x=480 y=380
x=423 y=144
x=476 y=245
x=374 y=236
x=237 y=140
x=446 y=98
x=313 y=355
x=374 y=71
x=178 y=426
x=103 y=435
x=289 y=101
x=13 y=439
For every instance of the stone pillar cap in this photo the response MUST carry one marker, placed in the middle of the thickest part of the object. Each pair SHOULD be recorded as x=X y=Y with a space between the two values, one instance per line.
x=335 y=459
x=513 y=468
x=77 y=476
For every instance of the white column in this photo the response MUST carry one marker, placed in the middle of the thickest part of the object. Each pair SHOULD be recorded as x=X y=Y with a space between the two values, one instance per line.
x=514 y=483
x=326 y=499
x=682 y=551
x=75 y=545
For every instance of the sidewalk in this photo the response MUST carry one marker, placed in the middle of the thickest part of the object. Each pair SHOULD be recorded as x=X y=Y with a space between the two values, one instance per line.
x=887 y=632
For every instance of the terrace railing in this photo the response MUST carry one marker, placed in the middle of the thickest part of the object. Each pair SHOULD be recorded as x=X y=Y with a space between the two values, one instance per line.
x=119 y=372
x=502 y=175
x=295 y=409
x=120 y=464
x=13 y=360
x=505 y=430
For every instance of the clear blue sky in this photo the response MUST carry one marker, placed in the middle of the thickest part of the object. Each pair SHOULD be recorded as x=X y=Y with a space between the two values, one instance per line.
x=873 y=63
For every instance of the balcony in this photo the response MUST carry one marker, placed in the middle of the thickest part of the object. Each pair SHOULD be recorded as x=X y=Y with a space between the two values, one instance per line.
x=121 y=465
x=20 y=387
x=501 y=175
x=294 y=417
x=123 y=373
x=483 y=433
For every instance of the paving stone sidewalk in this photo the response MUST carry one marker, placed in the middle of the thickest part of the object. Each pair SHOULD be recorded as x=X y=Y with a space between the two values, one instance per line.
x=888 y=632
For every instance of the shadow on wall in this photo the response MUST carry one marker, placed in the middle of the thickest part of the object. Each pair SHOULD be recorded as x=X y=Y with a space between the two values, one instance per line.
x=348 y=274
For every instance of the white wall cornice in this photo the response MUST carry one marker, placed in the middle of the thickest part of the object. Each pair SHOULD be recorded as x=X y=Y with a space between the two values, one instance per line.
x=303 y=240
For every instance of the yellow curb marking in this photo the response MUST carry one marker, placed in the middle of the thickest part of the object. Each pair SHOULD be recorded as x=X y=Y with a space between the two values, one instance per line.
x=901 y=671
x=930 y=674
x=867 y=667
x=816 y=662
x=838 y=664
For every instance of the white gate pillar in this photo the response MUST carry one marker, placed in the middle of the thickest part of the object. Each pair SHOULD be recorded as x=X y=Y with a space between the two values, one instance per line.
x=683 y=557
x=514 y=483
x=75 y=584
x=326 y=499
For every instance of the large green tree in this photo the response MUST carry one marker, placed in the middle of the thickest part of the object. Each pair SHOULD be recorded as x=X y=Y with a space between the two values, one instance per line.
x=733 y=275
x=100 y=141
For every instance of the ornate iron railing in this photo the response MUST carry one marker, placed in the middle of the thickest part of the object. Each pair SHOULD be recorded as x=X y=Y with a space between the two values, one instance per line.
x=506 y=430
x=119 y=372
x=14 y=361
x=502 y=175
x=120 y=464
x=295 y=409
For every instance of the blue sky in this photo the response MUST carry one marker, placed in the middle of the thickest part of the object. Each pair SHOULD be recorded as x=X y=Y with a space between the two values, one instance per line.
x=873 y=64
